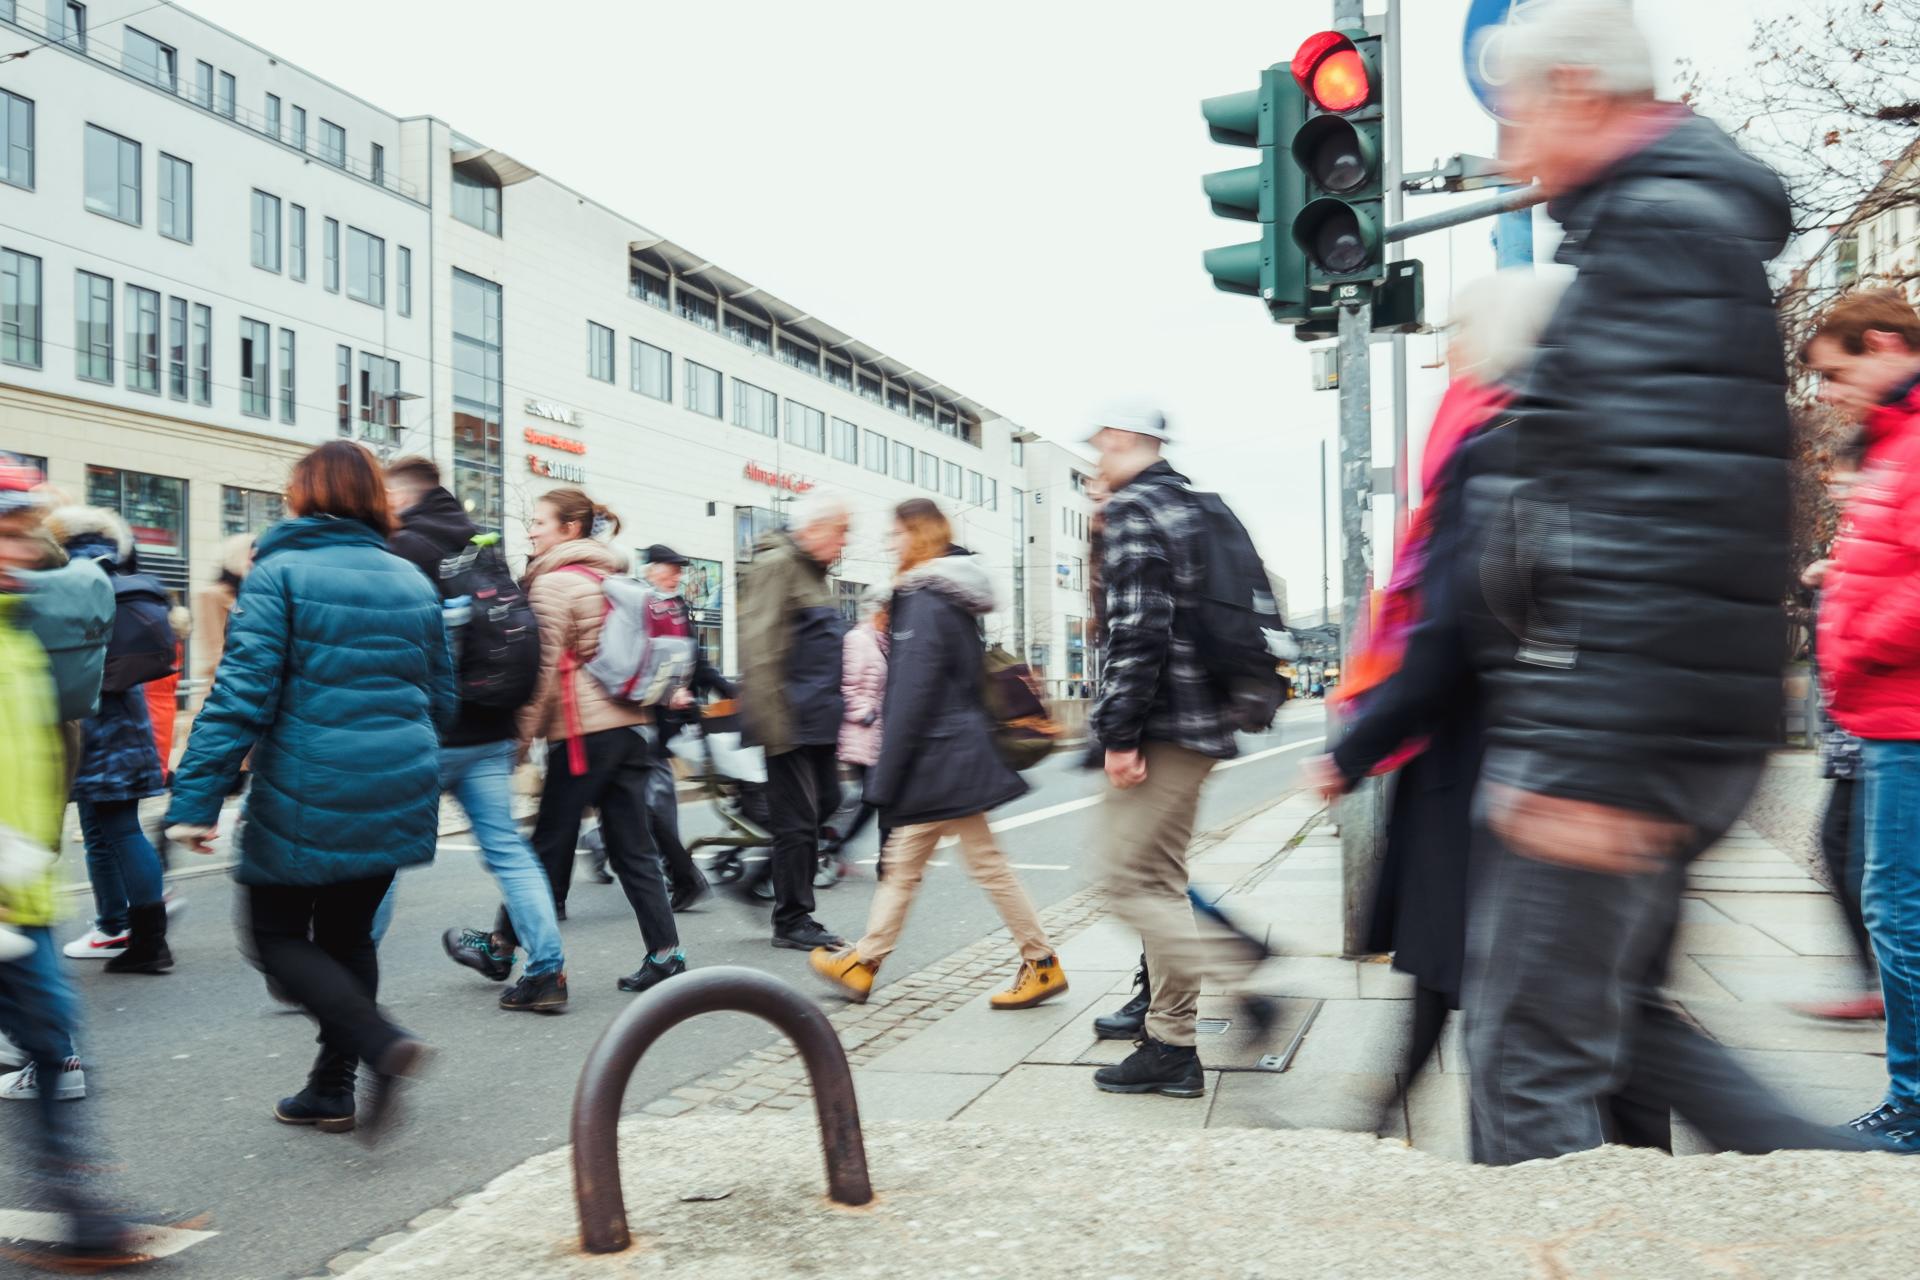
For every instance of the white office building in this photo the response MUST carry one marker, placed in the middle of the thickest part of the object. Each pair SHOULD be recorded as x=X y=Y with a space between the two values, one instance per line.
x=212 y=261
x=1058 y=568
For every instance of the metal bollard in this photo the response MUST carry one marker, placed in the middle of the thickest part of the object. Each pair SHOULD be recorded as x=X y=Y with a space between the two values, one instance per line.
x=727 y=989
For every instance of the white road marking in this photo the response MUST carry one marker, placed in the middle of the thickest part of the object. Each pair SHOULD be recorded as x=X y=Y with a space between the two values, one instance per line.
x=1087 y=802
x=51 y=1228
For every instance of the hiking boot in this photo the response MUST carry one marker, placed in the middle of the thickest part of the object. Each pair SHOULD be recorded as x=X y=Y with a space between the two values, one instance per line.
x=544 y=994
x=652 y=973
x=809 y=935
x=1129 y=1021
x=146 y=942
x=475 y=950
x=1156 y=1068
x=1037 y=980
x=327 y=1102
x=405 y=1060
x=846 y=970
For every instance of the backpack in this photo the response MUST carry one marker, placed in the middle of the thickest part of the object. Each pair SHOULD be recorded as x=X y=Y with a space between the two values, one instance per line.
x=70 y=612
x=498 y=644
x=1023 y=731
x=1235 y=625
x=143 y=646
x=646 y=651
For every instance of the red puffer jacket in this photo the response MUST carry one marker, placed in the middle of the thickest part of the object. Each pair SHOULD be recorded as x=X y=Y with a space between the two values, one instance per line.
x=1870 y=620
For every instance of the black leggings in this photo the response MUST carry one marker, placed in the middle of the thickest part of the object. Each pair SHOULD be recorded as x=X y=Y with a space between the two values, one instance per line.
x=316 y=942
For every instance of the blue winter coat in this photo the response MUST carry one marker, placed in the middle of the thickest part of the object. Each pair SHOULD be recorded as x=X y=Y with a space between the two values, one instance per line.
x=118 y=758
x=336 y=677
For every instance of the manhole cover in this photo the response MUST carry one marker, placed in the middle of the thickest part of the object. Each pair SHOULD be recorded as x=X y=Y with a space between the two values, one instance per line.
x=1212 y=1026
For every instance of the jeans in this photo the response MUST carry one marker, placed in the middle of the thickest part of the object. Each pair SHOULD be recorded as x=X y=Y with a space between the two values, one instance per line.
x=481 y=779
x=1841 y=848
x=803 y=786
x=1890 y=901
x=316 y=942
x=38 y=1012
x=121 y=862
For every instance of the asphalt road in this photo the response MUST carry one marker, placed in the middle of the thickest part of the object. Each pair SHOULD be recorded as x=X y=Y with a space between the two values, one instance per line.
x=183 y=1070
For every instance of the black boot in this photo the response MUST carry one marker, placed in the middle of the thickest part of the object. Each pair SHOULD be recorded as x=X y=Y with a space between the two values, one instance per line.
x=1156 y=1068
x=1129 y=1021
x=327 y=1101
x=146 y=942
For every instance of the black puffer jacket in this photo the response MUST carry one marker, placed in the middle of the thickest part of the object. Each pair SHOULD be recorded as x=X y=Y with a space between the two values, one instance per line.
x=432 y=530
x=937 y=758
x=1636 y=569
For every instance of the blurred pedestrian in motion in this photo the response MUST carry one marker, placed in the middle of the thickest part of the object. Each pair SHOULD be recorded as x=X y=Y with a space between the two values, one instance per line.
x=213 y=608
x=163 y=695
x=790 y=669
x=1412 y=695
x=863 y=697
x=497 y=667
x=939 y=773
x=1629 y=628
x=1867 y=353
x=119 y=762
x=335 y=677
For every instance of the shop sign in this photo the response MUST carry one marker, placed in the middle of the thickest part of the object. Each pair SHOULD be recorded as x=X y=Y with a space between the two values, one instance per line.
x=777 y=479
x=553 y=413
x=551 y=441
x=571 y=472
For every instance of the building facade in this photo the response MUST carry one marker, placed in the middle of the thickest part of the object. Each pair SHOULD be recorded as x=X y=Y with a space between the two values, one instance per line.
x=1059 y=571
x=212 y=261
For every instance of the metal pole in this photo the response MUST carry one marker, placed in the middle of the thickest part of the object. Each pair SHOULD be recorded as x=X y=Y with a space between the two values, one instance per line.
x=1518 y=198
x=1326 y=580
x=1360 y=849
x=1396 y=209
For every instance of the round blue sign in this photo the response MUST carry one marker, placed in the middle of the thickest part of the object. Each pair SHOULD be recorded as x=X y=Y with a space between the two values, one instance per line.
x=1486 y=15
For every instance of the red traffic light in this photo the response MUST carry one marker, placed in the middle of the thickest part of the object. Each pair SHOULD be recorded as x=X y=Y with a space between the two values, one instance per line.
x=1329 y=67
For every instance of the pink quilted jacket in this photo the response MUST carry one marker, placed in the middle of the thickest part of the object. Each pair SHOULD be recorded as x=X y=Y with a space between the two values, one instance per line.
x=863 y=688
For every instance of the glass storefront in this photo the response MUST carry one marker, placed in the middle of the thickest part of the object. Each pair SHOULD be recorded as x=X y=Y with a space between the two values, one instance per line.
x=479 y=478
x=750 y=524
x=702 y=586
x=155 y=507
x=248 y=510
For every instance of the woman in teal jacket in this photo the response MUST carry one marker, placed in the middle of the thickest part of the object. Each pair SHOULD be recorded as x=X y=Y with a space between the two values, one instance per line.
x=335 y=677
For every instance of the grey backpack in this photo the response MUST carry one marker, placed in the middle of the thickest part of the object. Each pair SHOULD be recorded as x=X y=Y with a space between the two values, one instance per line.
x=71 y=612
x=646 y=652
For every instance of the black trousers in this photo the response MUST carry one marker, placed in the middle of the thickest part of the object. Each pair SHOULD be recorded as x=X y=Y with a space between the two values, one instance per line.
x=866 y=814
x=619 y=763
x=663 y=821
x=316 y=942
x=803 y=786
x=1841 y=847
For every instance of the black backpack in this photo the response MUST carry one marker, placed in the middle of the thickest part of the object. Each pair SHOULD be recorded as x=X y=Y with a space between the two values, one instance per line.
x=142 y=646
x=499 y=648
x=1235 y=623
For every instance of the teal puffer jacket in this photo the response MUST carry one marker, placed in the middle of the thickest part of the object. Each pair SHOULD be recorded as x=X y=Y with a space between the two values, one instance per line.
x=336 y=677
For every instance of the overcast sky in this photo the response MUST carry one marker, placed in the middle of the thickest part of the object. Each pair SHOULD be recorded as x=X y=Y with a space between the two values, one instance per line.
x=1005 y=195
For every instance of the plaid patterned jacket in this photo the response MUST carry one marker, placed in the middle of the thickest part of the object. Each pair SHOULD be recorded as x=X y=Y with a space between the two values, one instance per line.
x=1153 y=688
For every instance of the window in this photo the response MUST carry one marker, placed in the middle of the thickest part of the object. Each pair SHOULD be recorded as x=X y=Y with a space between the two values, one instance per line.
x=266 y=231
x=750 y=524
x=143 y=340
x=949 y=423
x=846 y=441
x=92 y=327
x=755 y=408
x=203 y=84
x=993 y=494
x=113 y=175
x=846 y=597
x=156 y=63
x=476 y=200
x=333 y=144
x=256 y=368
x=155 y=506
x=700 y=310
x=929 y=473
x=403 y=270
x=1076 y=647
x=956 y=486
x=652 y=370
x=299 y=138
x=343 y=390
x=273 y=117
x=976 y=489
x=366 y=268
x=225 y=103
x=923 y=413
x=703 y=389
x=176 y=199
x=67 y=23
x=899 y=401
x=377 y=162
x=1019 y=453
x=330 y=255
x=19 y=308
x=799 y=356
x=876 y=452
x=248 y=510
x=201 y=337
x=903 y=461
x=478 y=448
x=839 y=374
x=286 y=376
x=16 y=140
x=296 y=242
x=177 y=348
x=868 y=388
x=646 y=286
x=806 y=427
x=599 y=352
x=379 y=396
x=743 y=329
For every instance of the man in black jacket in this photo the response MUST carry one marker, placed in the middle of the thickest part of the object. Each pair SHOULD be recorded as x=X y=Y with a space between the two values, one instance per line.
x=1628 y=605
x=476 y=765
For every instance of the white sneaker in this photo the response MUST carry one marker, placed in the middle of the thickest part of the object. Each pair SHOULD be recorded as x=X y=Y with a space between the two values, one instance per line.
x=10 y=1055
x=24 y=1084
x=95 y=945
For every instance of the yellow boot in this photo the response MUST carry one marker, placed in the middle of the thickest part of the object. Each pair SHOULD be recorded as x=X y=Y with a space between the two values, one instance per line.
x=846 y=970
x=1038 y=980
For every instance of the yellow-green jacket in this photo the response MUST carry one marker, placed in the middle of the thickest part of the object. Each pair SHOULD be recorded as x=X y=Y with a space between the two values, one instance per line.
x=31 y=771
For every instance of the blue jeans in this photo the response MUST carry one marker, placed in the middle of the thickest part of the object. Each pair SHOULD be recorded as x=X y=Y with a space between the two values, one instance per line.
x=37 y=1012
x=1890 y=901
x=121 y=862
x=481 y=779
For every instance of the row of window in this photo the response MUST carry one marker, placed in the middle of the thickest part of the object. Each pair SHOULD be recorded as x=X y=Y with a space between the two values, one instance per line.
x=1074 y=524
x=366 y=253
x=378 y=398
x=186 y=365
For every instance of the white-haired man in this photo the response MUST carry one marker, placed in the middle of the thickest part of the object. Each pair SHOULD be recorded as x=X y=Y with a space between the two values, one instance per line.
x=790 y=632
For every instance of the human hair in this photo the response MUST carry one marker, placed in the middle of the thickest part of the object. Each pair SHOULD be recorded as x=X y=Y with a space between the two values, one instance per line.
x=236 y=556
x=1599 y=37
x=572 y=506
x=1849 y=320
x=1497 y=320
x=414 y=470
x=341 y=478
x=817 y=507
x=875 y=602
x=928 y=535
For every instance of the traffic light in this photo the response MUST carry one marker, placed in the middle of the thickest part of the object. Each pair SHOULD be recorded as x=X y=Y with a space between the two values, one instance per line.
x=1337 y=149
x=1271 y=193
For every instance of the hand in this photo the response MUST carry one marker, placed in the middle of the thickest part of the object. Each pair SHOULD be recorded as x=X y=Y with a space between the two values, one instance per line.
x=1815 y=574
x=193 y=839
x=681 y=700
x=1321 y=774
x=1582 y=834
x=1126 y=769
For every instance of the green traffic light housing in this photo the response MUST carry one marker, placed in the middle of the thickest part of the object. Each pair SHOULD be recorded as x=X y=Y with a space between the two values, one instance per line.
x=1339 y=156
x=1342 y=241
x=1338 y=151
x=1269 y=193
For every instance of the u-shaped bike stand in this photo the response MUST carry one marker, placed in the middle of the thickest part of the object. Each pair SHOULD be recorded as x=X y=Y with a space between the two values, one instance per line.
x=728 y=989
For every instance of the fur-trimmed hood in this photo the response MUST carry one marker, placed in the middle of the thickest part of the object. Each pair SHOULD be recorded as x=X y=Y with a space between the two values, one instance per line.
x=69 y=525
x=959 y=578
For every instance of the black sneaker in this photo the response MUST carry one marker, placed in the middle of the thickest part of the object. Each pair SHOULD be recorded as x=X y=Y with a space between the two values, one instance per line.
x=809 y=935
x=1156 y=1068
x=327 y=1112
x=544 y=994
x=402 y=1062
x=1129 y=1021
x=474 y=949
x=688 y=896
x=1889 y=1122
x=652 y=973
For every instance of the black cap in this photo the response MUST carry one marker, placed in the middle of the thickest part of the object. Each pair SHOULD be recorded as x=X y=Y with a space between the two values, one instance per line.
x=660 y=553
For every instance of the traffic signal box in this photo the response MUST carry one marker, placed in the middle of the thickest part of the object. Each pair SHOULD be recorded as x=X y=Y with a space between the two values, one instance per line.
x=1338 y=149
